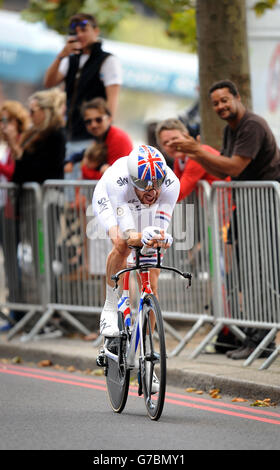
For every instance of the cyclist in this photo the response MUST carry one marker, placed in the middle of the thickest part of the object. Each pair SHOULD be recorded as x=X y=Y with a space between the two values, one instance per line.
x=134 y=201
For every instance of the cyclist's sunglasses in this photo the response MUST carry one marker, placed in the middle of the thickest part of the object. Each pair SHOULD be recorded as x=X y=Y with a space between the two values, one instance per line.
x=146 y=185
x=81 y=23
x=98 y=120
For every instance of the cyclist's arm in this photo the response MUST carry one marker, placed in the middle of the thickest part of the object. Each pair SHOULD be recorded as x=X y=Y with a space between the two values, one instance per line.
x=102 y=206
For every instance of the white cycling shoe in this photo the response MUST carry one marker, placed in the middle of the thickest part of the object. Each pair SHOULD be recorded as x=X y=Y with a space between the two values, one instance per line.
x=109 y=322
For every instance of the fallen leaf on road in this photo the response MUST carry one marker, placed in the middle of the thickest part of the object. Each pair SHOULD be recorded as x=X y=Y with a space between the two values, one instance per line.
x=199 y=392
x=71 y=369
x=215 y=393
x=239 y=400
x=265 y=402
x=98 y=372
x=16 y=360
x=190 y=390
x=45 y=363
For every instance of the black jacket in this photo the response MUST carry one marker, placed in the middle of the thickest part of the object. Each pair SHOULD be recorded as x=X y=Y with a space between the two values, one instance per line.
x=81 y=87
x=44 y=160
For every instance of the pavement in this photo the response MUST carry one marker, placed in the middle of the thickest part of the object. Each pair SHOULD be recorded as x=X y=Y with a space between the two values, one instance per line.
x=207 y=371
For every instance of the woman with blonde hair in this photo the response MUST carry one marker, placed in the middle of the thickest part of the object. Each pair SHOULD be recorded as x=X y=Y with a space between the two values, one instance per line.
x=40 y=153
x=14 y=120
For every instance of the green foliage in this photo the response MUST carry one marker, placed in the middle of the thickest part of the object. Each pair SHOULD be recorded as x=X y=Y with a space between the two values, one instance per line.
x=146 y=31
x=183 y=26
x=178 y=15
x=260 y=7
x=56 y=13
x=108 y=12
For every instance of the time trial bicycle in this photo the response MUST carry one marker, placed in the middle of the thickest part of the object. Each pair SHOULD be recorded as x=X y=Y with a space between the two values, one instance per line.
x=118 y=355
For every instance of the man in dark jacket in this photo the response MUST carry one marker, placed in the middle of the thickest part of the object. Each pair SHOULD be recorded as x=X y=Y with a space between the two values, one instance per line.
x=88 y=72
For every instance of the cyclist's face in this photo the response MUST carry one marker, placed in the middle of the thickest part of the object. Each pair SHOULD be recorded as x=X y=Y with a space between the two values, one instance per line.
x=148 y=197
x=166 y=138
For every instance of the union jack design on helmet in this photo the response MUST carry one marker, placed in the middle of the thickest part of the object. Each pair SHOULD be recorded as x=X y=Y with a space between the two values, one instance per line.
x=147 y=167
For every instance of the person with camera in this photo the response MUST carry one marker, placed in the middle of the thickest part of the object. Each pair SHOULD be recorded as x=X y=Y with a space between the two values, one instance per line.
x=88 y=72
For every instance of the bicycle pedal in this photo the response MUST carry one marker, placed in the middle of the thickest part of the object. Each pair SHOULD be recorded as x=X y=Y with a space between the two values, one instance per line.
x=101 y=359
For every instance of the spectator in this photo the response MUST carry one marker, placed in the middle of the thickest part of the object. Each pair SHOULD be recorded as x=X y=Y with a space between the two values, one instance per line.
x=14 y=120
x=188 y=171
x=249 y=152
x=95 y=157
x=88 y=72
x=41 y=151
x=98 y=120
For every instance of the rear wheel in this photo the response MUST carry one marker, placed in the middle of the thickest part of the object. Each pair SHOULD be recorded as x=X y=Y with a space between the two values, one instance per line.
x=117 y=375
x=154 y=361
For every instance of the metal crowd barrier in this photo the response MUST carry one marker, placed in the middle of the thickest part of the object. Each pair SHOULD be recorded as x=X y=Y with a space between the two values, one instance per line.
x=72 y=266
x=246 y=253
x=21 y=241
x=54 y=267
x=75 y=263
x=71 y=286
x=191 y=251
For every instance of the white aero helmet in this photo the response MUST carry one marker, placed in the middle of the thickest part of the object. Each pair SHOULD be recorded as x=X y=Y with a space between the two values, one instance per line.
x=146 y=167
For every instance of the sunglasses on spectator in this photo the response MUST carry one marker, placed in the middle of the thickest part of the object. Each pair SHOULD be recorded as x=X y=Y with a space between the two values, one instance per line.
x=33 y=111
x=98 y=120
x=82 y=24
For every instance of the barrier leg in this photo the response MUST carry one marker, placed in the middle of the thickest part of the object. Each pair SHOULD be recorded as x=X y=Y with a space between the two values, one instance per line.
x=207 y=340
x=39 y=325
x=263 y=344
x=74 y=322
x=187 y=337
x=172 y=331
x=98 y=341
x=237 y=332
x=5 y=317
x=20 y=324
x=270 y=359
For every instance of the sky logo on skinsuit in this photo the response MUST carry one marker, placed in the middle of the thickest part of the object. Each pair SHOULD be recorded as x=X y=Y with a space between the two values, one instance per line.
x=150 y=165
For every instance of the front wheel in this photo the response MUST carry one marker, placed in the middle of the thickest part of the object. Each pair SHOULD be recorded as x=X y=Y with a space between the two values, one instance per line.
x=153 y=362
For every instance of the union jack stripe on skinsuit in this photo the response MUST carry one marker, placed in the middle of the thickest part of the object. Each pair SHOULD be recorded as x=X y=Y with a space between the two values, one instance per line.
x=163 y=216
x=150 y=165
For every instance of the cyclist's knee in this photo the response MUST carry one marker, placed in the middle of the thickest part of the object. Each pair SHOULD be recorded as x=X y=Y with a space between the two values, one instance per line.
x=121 y=248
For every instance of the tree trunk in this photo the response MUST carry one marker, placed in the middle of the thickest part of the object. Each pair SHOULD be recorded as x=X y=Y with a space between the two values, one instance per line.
x=223 y=54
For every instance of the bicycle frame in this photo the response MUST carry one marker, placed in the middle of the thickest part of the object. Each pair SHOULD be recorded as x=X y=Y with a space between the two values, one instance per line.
x=119 y=352
x=124 y=307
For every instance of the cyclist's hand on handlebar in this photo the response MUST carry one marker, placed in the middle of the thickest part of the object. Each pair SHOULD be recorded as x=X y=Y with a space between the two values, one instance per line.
x=156 y=237
x=152 y=234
